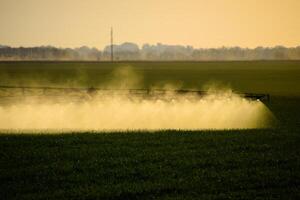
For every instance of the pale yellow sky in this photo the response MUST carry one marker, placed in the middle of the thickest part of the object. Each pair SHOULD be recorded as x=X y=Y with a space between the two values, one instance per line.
x=201 y=23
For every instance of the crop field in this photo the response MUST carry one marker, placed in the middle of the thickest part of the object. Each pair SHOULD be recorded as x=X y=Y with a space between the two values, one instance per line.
x=273 y=77
x=162 y=164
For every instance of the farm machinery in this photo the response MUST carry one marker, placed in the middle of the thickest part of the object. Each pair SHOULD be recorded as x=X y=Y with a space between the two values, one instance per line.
x=9 y=92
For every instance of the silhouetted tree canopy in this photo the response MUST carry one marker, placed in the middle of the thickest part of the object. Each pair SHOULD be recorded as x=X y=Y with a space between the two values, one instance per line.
x=131 y=51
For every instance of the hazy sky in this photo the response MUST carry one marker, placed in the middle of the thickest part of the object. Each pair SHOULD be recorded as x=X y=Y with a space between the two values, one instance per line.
x=201 y=23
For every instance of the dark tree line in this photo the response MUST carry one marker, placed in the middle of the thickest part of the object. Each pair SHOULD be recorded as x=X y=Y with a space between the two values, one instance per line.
x=131 y=51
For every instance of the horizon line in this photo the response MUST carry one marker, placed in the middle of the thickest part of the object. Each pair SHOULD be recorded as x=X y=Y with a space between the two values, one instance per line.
x=151 y=44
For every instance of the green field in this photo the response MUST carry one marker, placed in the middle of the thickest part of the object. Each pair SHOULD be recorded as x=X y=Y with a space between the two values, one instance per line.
x=236 y=164
x=273 y=77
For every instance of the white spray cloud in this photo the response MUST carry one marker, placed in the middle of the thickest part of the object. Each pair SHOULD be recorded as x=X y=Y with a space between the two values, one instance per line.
x=109 y=112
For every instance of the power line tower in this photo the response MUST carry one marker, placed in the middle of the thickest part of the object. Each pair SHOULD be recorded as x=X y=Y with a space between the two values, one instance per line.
x=111 y=44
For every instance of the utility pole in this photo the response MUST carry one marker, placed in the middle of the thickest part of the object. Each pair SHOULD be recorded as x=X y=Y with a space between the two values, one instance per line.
x=111 y=44
x=31 y=53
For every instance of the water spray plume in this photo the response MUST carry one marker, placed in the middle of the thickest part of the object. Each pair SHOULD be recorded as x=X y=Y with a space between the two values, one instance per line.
x=217 y=110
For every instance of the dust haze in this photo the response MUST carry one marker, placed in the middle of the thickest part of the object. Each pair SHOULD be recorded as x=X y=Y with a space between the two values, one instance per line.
x=122 y=111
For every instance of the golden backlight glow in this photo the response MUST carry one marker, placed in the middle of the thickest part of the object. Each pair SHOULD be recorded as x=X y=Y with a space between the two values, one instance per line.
x=201 y=23
x=121 y=114
x=220 y=109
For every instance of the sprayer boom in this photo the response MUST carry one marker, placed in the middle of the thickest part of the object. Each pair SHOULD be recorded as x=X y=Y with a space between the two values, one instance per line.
x=19 y=91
